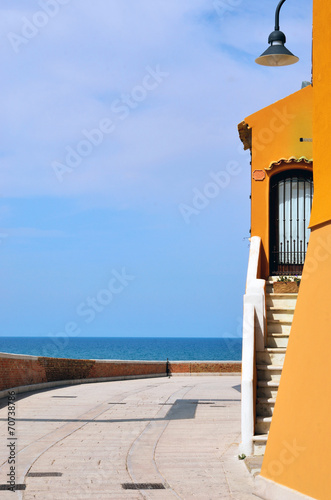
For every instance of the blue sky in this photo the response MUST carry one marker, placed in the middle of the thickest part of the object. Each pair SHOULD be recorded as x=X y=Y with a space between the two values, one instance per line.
x=116 y=117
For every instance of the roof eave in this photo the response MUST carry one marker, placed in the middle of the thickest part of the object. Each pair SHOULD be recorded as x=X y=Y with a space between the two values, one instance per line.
x=245 y=134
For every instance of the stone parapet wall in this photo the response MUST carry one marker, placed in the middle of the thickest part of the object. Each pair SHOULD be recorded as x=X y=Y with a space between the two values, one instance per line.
x=213 y=367
x=19 y=370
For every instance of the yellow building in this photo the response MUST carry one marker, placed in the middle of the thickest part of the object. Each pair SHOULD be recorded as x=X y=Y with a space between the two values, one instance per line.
x=280 y=139
x=296 y=463
x=297 y=455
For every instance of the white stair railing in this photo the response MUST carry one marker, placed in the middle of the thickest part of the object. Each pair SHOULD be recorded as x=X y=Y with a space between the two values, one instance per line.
x=254 y=331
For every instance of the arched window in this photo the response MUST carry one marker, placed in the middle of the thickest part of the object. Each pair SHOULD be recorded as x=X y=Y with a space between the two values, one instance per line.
x=291 y=196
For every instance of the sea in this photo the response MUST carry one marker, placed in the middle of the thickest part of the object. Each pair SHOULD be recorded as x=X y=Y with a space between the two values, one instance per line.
x=124 y=348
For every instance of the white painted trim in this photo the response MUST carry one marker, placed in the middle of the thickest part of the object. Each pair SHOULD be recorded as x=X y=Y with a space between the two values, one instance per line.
x=255 y=288
x=269 y=490
x=247 y=382
x=253 y=260
x=254 y=332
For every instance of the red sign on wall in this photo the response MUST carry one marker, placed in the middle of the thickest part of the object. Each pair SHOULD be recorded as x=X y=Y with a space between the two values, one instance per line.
x=259 y=175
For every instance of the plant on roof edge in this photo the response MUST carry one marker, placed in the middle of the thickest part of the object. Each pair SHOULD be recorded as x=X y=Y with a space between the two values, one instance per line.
x=289 y=279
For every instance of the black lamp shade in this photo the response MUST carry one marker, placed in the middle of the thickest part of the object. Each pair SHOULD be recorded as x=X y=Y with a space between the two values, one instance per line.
x=277 y=55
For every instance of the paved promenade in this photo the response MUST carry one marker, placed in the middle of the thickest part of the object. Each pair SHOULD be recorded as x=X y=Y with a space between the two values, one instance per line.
x=100 y=440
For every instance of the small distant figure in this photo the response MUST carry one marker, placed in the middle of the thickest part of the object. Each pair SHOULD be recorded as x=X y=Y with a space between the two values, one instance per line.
x=168 y=368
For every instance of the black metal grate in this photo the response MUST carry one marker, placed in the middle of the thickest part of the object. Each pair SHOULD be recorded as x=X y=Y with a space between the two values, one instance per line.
x=143 y=486
x=16 y=487
x=290 y=206
x=44 y=474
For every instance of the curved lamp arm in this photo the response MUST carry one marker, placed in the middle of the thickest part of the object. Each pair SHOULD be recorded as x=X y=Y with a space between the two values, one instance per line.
x=277 y=54
x=279 y=6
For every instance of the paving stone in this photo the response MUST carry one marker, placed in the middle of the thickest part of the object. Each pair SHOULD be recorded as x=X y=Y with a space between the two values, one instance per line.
x=182 y=432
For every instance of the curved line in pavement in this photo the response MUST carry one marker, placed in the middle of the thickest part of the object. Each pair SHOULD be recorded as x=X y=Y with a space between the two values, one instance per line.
x=72 y=431
x=160 y=427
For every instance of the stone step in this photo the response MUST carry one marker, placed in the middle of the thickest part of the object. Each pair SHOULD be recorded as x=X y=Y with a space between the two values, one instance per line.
x=269 y=372
x=281 y=301
x=262 y=425
x=280 y=310
x=267 y=388
x=254 y=465
x=265 y=407
x=276 y=314
x=277 y=340
x=271 y=356
x=259 y=444
x=275 y=326
x=284 y=295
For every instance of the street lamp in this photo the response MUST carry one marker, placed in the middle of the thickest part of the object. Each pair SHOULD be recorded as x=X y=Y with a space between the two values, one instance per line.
x=277 y=54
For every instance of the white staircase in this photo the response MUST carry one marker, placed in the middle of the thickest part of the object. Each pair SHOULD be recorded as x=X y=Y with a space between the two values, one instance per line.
x=269 y=363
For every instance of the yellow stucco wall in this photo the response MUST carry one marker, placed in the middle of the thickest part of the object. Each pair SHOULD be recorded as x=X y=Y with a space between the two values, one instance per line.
x=299 y=443
x=276 y=133
x=322 y=111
